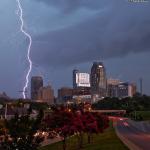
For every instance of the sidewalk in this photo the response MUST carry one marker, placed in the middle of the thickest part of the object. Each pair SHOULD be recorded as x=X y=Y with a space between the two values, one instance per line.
x=51 y=141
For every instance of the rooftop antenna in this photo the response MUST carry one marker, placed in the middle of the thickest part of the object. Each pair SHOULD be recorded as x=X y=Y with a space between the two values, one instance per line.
x=141 y=86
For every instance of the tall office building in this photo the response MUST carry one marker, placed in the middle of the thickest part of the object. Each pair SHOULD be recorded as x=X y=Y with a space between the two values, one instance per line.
x=98 y=80
x=36 y=84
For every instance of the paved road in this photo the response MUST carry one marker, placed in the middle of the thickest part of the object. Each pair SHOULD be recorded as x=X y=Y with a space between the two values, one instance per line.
x=135 y=136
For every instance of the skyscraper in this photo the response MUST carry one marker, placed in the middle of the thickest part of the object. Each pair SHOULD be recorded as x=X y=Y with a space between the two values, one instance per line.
x=98 y=80
x=36 y=84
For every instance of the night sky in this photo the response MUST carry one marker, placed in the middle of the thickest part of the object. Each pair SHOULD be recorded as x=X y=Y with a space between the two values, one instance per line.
x=70 y=34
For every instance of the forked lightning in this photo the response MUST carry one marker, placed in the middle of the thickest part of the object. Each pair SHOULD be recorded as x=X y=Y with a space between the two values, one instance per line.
x=20 y=14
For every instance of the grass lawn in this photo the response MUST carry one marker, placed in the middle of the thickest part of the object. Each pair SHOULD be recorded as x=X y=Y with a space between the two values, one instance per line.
x=144 y=114
x=104 y=141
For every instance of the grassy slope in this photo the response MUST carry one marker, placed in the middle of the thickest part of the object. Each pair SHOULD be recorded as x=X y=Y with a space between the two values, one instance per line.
x=105 y=141
x=144 y=114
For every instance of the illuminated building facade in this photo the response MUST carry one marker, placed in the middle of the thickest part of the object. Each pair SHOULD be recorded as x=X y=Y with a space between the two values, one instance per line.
x=80 y=79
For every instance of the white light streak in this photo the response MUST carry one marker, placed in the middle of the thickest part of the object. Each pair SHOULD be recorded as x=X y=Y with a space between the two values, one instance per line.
x=20 y=14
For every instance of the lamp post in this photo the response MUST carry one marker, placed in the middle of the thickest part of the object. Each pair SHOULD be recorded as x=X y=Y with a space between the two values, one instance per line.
x=1 y=106
x=6 y=107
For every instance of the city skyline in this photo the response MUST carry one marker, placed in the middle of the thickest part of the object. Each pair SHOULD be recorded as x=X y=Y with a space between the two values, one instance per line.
x=71 y=34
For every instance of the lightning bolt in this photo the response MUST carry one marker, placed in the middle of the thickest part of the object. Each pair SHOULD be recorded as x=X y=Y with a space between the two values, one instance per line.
x=20 y=14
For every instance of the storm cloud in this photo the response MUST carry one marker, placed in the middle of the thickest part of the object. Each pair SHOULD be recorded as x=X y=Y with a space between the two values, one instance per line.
x=115 y=29
x=68 y=6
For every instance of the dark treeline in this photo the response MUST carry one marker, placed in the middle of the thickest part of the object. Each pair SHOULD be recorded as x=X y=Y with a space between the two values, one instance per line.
x=139 y=103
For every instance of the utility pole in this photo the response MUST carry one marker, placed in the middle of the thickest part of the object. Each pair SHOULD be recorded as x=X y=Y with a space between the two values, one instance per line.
x=6 y=107
x=135 y=114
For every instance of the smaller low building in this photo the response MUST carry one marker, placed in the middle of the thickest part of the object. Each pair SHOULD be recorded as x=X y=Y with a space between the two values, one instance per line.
x=3 y=95
x=112 y=87
x=9 y=111
x=116 y=88
x=65 y=94
x=46 y=95
x=81 y=94
x=126 y=90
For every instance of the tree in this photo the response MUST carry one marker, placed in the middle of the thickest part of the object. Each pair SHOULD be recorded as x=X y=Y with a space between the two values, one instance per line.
x=79 y=127
x=90 y=124
x=20 y=135
x=61 y=122
x=66 y=123
x=102 y=121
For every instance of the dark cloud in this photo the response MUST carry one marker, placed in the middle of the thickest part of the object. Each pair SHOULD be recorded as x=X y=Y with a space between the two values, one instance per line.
x=117 y=31
x=74 y=32
x=72 y=5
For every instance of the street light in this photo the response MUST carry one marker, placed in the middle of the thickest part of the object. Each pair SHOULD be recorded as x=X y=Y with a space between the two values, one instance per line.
x=6 y=111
